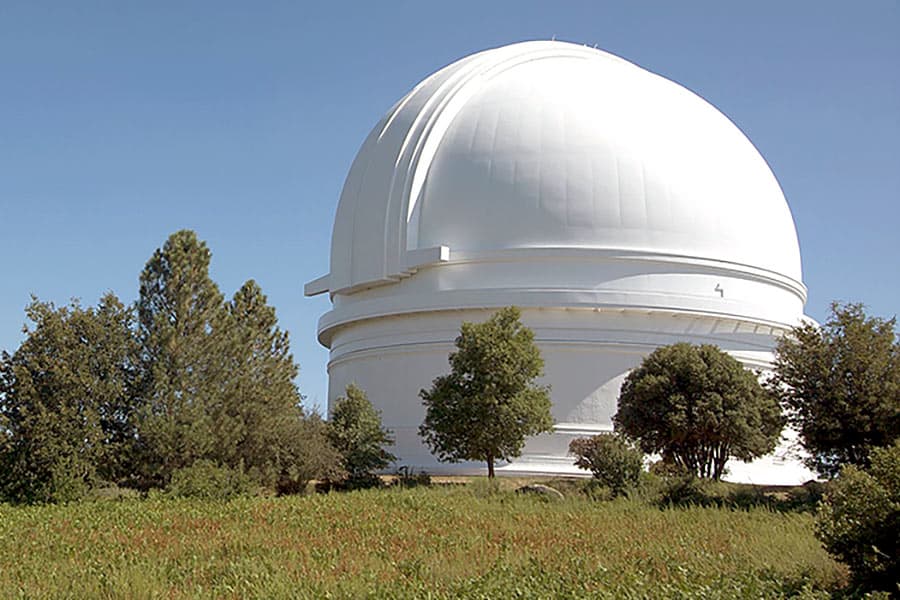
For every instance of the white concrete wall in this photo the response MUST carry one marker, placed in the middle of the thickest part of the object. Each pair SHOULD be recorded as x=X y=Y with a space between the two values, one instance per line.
x=587 y=354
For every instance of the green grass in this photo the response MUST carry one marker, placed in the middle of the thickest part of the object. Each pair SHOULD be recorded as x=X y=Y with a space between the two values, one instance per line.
x=424 y=542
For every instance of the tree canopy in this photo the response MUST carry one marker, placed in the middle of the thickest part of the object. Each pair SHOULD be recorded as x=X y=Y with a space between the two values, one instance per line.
x=355 y=431
x=859 y=521
x=67 y=401
x=133 y=395
x=488 y=404
x=183 y=336
x=698 y=407
x=840 y=385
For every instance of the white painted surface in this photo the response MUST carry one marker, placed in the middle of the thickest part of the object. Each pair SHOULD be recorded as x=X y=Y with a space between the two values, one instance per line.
x=618 y=209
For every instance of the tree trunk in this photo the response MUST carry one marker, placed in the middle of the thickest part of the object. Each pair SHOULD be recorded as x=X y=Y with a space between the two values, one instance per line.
x=490 y=463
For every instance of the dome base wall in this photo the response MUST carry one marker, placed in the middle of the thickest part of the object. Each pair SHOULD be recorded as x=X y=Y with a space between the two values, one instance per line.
x=587 y=355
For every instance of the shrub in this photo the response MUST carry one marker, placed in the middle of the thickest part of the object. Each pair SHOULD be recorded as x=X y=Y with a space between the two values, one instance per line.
x=666 y=468
x=407 y=477
x=684 y=489
x=112 y=492
x=612 y=461
x=355 y=431
x=859 y=521
x=363 y=481
x=805 y=498
x=669 y=484
x=206 y=479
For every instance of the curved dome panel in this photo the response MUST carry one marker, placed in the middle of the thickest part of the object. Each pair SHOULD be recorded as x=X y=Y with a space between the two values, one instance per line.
x=598 y=153
x=551 y=145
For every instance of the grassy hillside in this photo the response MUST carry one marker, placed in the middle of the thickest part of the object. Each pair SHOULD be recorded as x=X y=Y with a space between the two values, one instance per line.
x=422 y=542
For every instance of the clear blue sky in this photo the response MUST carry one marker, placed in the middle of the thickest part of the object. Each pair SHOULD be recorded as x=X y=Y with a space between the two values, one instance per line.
x=122 y=122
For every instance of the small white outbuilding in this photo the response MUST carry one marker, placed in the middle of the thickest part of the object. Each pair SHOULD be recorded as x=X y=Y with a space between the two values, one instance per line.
x=619 y=210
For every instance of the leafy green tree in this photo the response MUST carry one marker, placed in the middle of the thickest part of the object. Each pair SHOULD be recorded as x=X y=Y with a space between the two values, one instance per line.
x=356 y=432
x=210 y=480
x=183 y=333
x=303 y=453
x=611 y=459
x=859 y=521
x=698 y=407
x=488 y=404
x=67 y=402
x=840 y=385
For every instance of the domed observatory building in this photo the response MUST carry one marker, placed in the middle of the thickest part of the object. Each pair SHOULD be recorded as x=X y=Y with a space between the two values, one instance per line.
x=617 y=209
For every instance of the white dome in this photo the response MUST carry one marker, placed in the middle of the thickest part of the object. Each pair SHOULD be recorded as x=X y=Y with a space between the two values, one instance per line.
x=543 y=145
x=618 y=210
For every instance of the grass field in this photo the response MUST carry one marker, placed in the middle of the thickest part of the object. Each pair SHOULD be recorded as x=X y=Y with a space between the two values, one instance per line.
x=424 y=542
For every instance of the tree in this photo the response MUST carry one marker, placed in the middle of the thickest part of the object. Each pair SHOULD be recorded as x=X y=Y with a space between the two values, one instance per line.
x=698 y=407
x=840 y=386
x=259 y=410
x=356 y=433
x=301 y=452
x=611 y=459
x=183 y=334
x=218 y=379
x=67 y=402
x=859 y=520
x=488 y=404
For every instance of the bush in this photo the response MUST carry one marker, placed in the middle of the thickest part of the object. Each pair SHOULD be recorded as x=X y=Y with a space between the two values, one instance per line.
x=597 y=491
x=684 y=489
x=612 y=461
x=407 y=477
x=112 y=492
x=666 y=468
x=206 y=479
x=355 y=431
x=805 y=498
x=859 y=521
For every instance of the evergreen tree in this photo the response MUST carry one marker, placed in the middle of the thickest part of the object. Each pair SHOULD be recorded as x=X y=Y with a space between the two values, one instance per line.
x=488 y=404
x=93 y=395
x=219 y=378
x=840 y=384
x=183 y=335
x=259 y=423
x=67 y=401
x=356 y=433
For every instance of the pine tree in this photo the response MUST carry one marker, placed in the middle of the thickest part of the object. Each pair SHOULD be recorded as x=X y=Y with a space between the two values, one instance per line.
x=183 y=335
x=218 y=379
x=260 y=422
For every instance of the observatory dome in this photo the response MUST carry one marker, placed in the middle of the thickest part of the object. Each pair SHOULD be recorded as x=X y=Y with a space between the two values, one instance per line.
x=555 y=145
x=617 y=208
